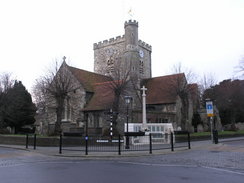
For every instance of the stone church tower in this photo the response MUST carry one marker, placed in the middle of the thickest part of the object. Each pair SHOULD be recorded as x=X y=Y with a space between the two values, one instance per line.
x=125 y=52
x=125 y=58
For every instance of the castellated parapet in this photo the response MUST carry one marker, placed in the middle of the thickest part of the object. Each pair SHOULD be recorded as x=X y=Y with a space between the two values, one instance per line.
x=119 y=39
x=145 y=45
x=131 y=22
x=108 y=42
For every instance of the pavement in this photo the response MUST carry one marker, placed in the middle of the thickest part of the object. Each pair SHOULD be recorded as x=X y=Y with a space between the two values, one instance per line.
x=224 y=145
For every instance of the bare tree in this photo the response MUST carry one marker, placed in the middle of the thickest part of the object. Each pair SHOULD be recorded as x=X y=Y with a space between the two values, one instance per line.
x=207 y=81
x=120 y=76
x=41 y=97
x=240 y=67
x=5 y=82
x=191 y=76
x=55 y=87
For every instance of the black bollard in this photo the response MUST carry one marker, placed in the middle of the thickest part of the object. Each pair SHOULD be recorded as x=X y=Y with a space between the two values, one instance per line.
x=60 y=144
x=119 y=146
x=215 y=136
x=27 y=141
x=189 y=140
x=150 y=143
x=34 y=146
x=172 y=141
x=86 y=138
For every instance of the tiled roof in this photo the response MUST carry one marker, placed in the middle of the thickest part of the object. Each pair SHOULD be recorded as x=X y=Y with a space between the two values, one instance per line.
x=103 y=97
x=162 y=89
x=88 y=79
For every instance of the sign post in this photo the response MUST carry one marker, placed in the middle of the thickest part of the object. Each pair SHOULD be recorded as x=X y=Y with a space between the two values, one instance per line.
x=210 y=114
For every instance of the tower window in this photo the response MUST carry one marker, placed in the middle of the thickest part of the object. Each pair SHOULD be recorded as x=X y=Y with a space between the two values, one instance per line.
x=110 y=66
x=141 y=67
x=110 y=62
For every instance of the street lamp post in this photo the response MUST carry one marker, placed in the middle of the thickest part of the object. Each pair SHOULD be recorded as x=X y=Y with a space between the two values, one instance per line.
x=127 y=101
x=210 y=114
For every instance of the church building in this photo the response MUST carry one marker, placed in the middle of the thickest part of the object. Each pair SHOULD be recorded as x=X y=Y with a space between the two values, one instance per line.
x=122 y=66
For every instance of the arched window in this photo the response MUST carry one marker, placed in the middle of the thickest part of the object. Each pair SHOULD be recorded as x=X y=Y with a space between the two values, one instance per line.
x=67 y=110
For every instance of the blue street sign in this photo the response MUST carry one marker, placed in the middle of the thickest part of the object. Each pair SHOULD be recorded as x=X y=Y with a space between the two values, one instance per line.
x=209 y=108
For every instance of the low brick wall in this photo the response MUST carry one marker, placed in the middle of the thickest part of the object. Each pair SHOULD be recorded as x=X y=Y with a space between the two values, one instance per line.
x=21 y=140
x=47 y=141
x=12 y=140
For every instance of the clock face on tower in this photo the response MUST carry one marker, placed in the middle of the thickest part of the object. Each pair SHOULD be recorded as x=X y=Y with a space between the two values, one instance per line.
x=141 y=53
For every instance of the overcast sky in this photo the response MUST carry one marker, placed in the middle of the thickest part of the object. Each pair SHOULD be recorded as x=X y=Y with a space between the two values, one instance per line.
x=206 y=36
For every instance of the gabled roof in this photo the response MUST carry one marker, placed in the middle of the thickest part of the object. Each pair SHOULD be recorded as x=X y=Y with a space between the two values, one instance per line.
x=103 y=97
x=88 y=79
x=161 y=90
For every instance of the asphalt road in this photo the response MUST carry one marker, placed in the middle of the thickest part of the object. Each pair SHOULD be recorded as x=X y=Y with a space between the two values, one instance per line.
x=239 y=143
x=112 y=171
x=223 y=164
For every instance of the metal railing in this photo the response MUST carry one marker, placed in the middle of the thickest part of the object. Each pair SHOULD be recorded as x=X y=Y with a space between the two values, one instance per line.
x=180 y=139
x=118 y=144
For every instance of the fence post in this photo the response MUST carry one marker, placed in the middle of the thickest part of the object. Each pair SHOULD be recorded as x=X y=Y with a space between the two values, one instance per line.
x=34 y=146
x=60 y=144
x=150 y=143
x=189 y=140
x=119 y=146
x=215 y=136
x=26 y=141
x=172 y=141
x=86 y=145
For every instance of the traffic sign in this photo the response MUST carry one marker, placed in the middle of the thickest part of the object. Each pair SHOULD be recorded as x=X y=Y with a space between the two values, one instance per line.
x=209 y=108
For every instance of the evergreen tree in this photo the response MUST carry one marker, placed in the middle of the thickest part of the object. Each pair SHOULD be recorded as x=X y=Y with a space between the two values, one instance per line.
x=228 y=96
x=18 y=108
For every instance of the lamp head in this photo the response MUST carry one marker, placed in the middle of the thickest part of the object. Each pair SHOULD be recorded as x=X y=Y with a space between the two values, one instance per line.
x=128 y=99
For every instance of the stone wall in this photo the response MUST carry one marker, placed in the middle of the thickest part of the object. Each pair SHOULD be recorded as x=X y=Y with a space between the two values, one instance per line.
x=234 y=127
x=205 y=126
